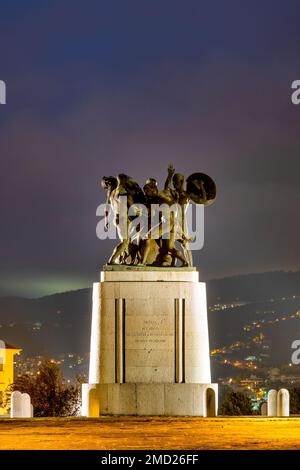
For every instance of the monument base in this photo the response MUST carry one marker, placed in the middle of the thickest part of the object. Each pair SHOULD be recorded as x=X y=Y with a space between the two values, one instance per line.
x=144 y=399
x=149 y=345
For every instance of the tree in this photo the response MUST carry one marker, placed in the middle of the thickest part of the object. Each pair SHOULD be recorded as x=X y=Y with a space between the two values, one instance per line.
x=294 y=400
x=236 y=404
x=49 y=392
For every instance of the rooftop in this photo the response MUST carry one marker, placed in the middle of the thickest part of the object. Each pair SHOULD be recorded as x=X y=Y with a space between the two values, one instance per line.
x=9 y=346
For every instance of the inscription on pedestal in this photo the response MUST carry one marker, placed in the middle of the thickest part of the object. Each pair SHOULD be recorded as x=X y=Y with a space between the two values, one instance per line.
x=149 y=341
x=151 y=332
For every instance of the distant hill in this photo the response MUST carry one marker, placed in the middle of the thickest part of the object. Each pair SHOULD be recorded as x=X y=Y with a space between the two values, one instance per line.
x=49 y=325
x=254 y=287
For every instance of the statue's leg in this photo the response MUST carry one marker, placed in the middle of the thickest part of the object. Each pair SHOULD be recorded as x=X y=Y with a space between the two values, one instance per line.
x=174 y=251
x=119 y=249
x=163 y=258
x=177 y=254
x=145 y=250
x=189 y=256
x=133 y=253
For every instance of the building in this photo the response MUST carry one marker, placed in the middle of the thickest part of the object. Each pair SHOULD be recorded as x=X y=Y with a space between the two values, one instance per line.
x=7 y=353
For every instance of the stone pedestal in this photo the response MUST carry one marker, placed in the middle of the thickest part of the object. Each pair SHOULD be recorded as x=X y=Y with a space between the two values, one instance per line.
x=149 y=344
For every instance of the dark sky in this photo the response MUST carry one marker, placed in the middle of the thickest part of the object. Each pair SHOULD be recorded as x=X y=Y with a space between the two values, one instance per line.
x=103 y=87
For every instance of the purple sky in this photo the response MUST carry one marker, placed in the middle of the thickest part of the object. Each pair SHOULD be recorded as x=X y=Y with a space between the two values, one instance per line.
x=99 y=88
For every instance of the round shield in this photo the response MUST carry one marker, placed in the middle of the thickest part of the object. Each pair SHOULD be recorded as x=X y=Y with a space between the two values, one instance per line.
x=201 y=188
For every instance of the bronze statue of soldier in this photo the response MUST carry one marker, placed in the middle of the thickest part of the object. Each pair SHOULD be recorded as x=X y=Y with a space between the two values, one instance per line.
x=161 y=249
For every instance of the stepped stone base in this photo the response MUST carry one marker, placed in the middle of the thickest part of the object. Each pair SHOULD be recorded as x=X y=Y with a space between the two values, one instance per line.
x=143 y=399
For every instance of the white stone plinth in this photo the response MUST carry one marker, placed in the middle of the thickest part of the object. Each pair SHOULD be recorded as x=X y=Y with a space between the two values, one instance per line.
x=283 y=403
x=159 y=399
x=20 y=405
x=149 y=343
x=16 y=405
x=272 y=403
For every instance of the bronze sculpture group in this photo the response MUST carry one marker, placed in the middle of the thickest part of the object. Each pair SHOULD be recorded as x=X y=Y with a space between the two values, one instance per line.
x=161 y=246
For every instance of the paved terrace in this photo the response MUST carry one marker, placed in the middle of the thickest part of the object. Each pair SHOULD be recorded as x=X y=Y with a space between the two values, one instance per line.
x=151 y=433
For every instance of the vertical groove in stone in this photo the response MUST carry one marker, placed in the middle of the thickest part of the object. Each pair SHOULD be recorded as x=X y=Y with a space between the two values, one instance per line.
x=116 y=340
x=175 y=339
x=123 y=340
x=183 y=339
x=179 y=340
x=119 y=340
